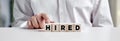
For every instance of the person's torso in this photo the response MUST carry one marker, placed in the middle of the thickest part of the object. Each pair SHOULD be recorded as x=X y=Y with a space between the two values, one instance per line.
x=65 y=11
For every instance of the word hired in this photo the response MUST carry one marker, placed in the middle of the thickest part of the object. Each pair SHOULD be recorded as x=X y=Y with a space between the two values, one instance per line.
x=62 y=27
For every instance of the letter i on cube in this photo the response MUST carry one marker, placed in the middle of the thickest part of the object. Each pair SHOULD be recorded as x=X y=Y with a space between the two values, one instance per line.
x=55 y=27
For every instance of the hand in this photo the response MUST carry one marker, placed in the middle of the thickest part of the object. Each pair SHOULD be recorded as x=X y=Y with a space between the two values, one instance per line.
x=38 y=21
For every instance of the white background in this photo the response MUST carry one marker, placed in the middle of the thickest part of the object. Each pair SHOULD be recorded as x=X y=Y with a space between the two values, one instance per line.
x=94 y=34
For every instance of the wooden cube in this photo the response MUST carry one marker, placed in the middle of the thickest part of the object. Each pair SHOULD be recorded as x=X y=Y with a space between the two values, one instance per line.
x=48 y=27
x=55 y=27
x=77 y=28
x=63 y=27
x=69 y=27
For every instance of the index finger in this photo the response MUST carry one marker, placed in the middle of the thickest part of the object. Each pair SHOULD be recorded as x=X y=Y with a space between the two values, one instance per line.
x=45 y=16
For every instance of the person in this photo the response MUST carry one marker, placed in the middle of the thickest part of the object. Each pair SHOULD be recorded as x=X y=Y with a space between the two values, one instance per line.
x=37 y=13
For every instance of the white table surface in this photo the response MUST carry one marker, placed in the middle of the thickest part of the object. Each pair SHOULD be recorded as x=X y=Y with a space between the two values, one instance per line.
x=95 y=34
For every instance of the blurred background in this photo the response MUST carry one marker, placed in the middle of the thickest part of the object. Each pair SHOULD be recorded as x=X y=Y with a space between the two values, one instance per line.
x=115 y=11
x=6 y=12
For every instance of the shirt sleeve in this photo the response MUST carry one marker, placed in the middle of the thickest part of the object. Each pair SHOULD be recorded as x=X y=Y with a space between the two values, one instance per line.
x=101 y=16
x=22 y=12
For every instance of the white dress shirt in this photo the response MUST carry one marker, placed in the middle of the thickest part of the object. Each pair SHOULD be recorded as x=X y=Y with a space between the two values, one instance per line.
x=90 y=13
